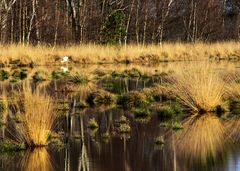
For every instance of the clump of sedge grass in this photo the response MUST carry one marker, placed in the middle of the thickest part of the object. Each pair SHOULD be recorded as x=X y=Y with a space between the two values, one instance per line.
x=106 y=135
x=124 y=128
x=38 y=117
x=177 y=126
x=19 y=74
x=133 y=99
x=39 y=76
x=92 y=124
x=169 y=111
x=123 y=120
x=101 y=97
x=199 y=87
x=159 y=140
x=4 y=75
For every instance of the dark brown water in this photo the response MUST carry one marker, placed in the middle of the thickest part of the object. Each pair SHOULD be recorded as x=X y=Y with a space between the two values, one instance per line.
x=85 y=149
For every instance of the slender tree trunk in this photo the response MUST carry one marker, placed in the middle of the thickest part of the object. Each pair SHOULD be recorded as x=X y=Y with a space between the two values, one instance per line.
x=145 y=24
x=128 y=23
x=137 y=22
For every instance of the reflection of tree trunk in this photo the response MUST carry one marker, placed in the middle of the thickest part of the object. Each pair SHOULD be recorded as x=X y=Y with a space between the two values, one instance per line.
x=67 y=158
x=126 y=84
x=137 y=81
x=174 y=153
x=83 y=158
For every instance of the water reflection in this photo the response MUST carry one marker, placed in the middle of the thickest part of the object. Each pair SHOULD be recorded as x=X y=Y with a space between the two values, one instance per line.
x=202 y=138
x=36 y=159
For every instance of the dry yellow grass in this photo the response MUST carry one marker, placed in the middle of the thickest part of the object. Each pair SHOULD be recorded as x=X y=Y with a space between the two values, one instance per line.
x=199 y=87
x=202 y=137
x=38 y=117
x=92 y=53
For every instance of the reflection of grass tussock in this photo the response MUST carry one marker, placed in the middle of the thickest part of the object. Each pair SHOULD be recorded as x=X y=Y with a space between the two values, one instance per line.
x=232 y=126
x=37 y=159
x=202 y=137
x=3 y=109
x=199 y=87
x=38 y=117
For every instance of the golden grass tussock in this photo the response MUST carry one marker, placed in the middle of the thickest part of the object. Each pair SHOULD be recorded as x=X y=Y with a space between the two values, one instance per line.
x=199 y=87
x=93 y=53
x=233 y=84
x=38 y=117
x=202 y=137
x=37 y=159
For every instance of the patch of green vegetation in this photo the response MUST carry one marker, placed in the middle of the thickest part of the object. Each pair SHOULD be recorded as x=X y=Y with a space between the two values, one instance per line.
x=78 y=79
x=177 y=126
x=234 y=106
x=166 y=113
x=157 y=93
x=141 y=113
x=164 y=124
x=133 y=99
x=7 y=146
x=219 y=110
x=63 y=106
x=116 y=74
x=92 y=124
x=113 y=30
x=39 y=76
x=106 y=135
x=56 y=75
x=124 y=128
x=169 y=112
x=82 y=105
x=19 y=74
x=99 y=73
x=4 y=75
x=2 y=107
x=159 y=140
x=101 y=97
x=132 y=73
x=123 y=120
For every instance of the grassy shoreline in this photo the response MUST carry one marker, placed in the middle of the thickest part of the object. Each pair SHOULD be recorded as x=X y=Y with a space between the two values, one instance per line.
x=21 y=54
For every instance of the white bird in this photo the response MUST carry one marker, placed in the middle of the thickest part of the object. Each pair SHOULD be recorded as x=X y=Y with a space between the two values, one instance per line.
x=65 y=59
x=64 y=69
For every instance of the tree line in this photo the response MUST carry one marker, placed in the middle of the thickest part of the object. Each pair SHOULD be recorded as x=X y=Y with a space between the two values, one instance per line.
x=118 y=21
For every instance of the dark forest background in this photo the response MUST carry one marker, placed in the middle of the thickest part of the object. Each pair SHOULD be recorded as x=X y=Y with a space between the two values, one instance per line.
x=118 y=21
